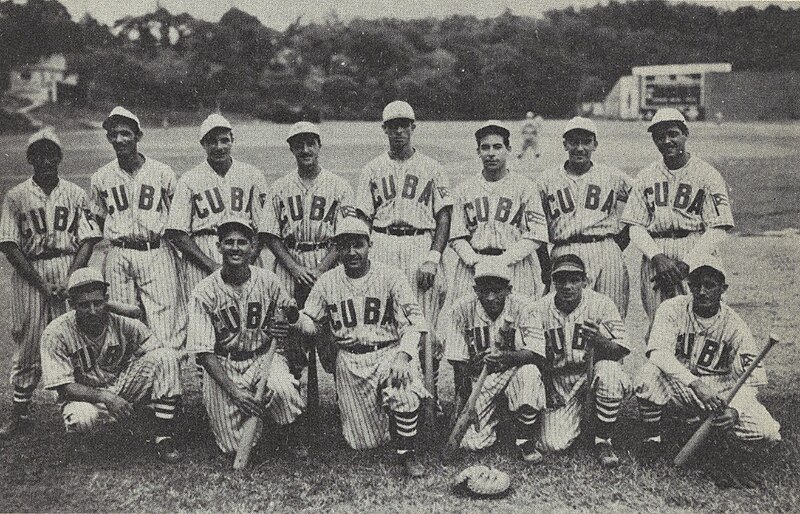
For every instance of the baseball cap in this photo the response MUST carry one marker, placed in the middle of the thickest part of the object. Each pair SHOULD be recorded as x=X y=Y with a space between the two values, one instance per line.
x=121 y=112
x=303 y=127
x=708 y=262
x=492 y=267
x=568 y=263
x=580 y=123
x=83 y=277
x=664 y=115
x=352 y=226
x=398 y=110
x=213 y=121
x=231 y=222
x=492 y=127
x=46 y=134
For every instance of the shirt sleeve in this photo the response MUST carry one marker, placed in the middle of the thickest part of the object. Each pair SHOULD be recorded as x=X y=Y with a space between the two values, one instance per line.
x=717 y=206
x=201 y=337
x=9 y=229
x=136 y=334
x=87 y=225
x=458 y=223
x=442 y=196
x=316 y=307
x=664 y=331
x=57 y=367
x=180 y=212
x=407 y=311
x=531 y=331
x=452 y=332
x=363 y=195
x=746 y=352
x=97 y=203
x=535 y=227
x=636 y=211
x=614 y=324
x=269 y=219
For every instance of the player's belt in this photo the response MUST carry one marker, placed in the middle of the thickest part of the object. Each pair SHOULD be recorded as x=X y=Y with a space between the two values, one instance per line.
x=305 y=246
x=394 y=230
x=367 y=348
x=491 y=251
x=672 y=234
x=238 y=355
x=582 y=238
x=137 y=245
x=205 y=232
x=48 y=254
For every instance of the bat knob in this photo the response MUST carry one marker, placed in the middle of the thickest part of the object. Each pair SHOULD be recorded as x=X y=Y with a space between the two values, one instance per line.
x=292 y=314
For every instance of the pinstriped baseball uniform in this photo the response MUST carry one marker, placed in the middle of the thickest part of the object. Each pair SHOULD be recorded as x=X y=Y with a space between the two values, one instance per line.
x=566 y=350
x=670 y=204
x=136 y=210
x=48 y=229
x=303 y=212
x=229 y=320
x=203 y=199
x=717 y=350
x=407 y=193
x=124 y=360
x=467 y=330
x=371 y=311
x=492 y=216
x=580 y=208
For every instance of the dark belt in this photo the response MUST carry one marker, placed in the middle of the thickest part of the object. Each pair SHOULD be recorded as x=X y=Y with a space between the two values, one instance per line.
x=205 y=232
x=303 y=246
x=48 y=254
x=672 y=234
x=137 y=245
x=491 y=251
x=394 y=230
x=581 y=238
x=236 y=355
x=359 y=349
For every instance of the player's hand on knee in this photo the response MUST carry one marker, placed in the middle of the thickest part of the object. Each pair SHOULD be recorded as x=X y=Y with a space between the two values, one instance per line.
x=278 y=329
x=426 y=274
x=667 y=268
x=117 y=406
x=498 y=361
x=247 y=402
x=303 y=275
x=683 y=268
x=726 y=420
x=400 y=370
x=710 y=400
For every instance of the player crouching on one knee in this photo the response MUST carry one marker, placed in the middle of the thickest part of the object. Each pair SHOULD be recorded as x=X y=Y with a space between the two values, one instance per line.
x=483 y=331
x=104 y=365
x=697 y=350
x=585 y=343
x=376 y=324
x=232 y=325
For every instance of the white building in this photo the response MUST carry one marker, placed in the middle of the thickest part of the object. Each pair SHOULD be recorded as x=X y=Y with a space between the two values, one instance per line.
x=38 y=82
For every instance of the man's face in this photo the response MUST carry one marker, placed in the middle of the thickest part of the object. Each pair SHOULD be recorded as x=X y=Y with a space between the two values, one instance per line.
x=492 y=293
x=399 y=132
x=217 y=144
x=353 y=252
x=707 y=289
x=493 y=152
x=305 y=148
x=123 y=137
x=44 y=156
x=569 y=286
x=236 y=248
x=580 y=144
x=90 y=308
x=670 y=140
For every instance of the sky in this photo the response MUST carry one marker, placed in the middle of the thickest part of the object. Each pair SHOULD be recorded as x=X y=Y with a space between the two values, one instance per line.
x=279 y=14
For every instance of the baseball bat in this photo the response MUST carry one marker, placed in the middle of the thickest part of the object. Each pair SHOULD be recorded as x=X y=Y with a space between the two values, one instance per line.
x=699 y=437
x=466 y=416
x=430 y=385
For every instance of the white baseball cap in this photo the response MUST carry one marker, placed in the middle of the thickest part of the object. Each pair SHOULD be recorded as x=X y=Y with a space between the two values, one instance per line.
x=213 y=121
x=398 y=110
x=231 y=221
x=46 y=134
x=352 y=226
x=708 y=261
x=666 y=114
x=121 y=112
x=303 y=127
x=492 y=127
x=580 y=123
x=493 y=267
x=83 y=277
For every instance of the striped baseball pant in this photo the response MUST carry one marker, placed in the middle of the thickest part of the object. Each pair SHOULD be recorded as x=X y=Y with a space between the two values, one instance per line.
x=675 y=249
x=153 y=379
x=654 y=387
x=191 y=274
x=227 y=420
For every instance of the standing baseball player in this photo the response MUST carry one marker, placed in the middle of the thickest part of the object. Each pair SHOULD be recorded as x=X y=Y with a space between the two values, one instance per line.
x=230 y=330
x=583 y=202
x=678 y=211
x=571 y=320
x=531 y=126
x=697 y=349
x=377 y=325
x=130 y=198
x=407 y=197
x=483 y=330
x=497 y=212
x=46 y=232
x=103 y=366
x=219 y=187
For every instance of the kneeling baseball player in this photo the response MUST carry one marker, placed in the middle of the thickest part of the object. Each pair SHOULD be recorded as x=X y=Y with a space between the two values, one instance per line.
x=231 y=328
x=377 y=324
x=482 y=331
x=104 y=365
x=585 y=343
x=697 y=350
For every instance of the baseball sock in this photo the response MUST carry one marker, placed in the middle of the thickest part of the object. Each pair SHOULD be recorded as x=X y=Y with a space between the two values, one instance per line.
x=22 y=401
x=606 y=411
x=651 y=420
x=164 y=410
x=404 y=428
x=525 y=424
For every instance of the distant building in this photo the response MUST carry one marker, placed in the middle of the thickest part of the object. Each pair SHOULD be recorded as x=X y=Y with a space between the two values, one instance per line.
x=39 y=82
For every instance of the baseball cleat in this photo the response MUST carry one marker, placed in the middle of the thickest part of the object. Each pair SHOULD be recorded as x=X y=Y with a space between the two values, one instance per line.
x=167 y=451
x=411 y=465
x=605 y=455
x=529 y=453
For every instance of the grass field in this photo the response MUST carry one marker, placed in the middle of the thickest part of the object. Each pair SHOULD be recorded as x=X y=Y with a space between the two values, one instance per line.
x=759 y=162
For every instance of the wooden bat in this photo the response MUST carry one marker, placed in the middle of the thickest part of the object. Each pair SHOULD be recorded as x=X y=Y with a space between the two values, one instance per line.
x=430 y=385
x=699 y=437
x=468 y=414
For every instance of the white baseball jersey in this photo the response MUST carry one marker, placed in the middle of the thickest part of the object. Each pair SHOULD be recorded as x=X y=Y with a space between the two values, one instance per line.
x=135 y=207
x=721 y=346
x=203 y=198
x=691 y=198
x=409 y=192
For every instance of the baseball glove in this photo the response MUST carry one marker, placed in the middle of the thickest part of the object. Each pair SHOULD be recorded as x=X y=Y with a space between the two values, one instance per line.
x=483 y=481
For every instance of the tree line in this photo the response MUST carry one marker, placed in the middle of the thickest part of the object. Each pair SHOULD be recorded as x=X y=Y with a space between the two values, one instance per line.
x=460 y=67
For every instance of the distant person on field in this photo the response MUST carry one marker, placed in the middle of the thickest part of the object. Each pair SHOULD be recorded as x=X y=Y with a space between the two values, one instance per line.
x=530 y=135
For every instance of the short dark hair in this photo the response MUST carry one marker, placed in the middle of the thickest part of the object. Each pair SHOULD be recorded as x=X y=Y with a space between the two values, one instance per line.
x=304 y=135
x=698 y=273
x=493 y=130
x=40 y=146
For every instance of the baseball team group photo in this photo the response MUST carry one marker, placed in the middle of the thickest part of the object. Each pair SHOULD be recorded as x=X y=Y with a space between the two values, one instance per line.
x=220 y=312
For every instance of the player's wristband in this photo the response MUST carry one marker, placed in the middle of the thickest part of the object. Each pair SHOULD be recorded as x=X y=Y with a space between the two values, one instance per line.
x=434 y=257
